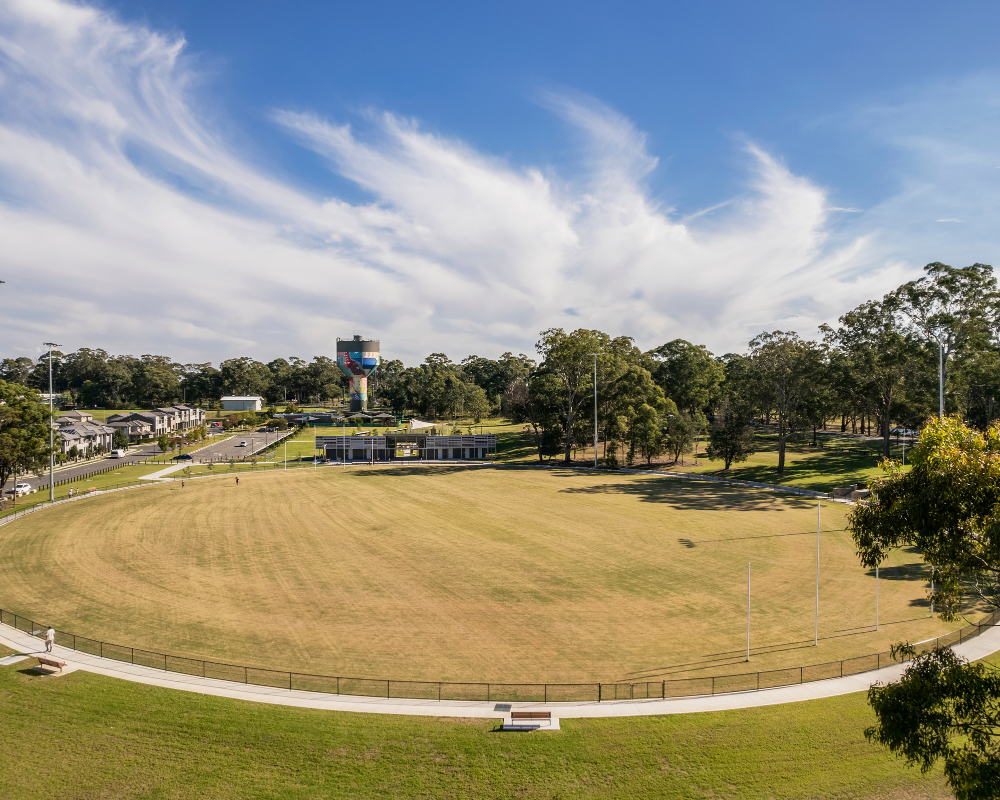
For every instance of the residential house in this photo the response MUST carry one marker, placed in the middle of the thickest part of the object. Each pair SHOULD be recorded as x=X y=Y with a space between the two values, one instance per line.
x=86 y=435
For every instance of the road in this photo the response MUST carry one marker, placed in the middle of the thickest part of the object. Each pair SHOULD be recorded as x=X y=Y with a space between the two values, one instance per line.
x=136 y=455
x=229 y=448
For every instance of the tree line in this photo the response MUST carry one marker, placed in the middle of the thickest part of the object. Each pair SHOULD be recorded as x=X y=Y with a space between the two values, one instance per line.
x=875 y=369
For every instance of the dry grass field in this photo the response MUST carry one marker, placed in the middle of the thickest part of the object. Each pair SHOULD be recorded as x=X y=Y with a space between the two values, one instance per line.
x=459 y=573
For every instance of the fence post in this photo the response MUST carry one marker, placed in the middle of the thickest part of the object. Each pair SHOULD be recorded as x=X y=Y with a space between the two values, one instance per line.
x=713 y=684
x=599 y=693
x=289 y=681
x=439 y=691
x=663 y=691
x=800 y=676
x=164 y=662
x=102 y=649
x=387 y=690
x=245 y=675
x=131 y=657
x=487 y=693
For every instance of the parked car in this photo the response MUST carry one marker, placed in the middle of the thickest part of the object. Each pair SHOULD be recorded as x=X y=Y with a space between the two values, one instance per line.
x=242 y=444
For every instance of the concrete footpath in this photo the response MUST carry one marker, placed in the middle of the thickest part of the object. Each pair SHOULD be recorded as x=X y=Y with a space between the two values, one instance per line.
x=974 y=649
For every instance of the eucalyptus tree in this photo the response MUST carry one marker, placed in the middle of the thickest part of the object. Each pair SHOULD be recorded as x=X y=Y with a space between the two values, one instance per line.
x=952 y=308
x=688 y=374
x=568 y=357
x=787 y=370
x=876 y=355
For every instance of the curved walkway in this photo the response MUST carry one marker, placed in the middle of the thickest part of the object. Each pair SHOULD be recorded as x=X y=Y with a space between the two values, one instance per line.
x=973 y=649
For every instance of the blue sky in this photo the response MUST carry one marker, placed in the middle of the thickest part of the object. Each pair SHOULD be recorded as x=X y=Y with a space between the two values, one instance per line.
x=261 y=177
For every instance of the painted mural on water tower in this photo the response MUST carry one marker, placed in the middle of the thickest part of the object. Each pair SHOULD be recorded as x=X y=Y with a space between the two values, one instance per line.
x=357 y=359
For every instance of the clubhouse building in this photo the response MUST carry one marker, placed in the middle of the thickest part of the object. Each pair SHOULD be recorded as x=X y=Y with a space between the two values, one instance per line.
x=413 y=446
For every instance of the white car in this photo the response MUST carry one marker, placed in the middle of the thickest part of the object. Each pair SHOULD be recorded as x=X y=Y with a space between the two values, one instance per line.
x=242 y=444
x=22 y=489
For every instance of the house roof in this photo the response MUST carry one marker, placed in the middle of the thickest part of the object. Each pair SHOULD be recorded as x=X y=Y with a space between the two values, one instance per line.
x=242 y=397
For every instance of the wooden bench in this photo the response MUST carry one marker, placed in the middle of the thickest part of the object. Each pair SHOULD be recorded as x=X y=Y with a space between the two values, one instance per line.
x=530 y=715
x=50 y=662
x=531 y=721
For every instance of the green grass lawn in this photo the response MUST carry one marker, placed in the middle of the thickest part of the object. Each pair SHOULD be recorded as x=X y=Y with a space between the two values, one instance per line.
x=839 y=460
x=124 y=476
x=88 y=736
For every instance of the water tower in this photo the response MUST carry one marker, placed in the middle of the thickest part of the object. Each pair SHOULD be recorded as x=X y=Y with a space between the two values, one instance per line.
x=357 y=359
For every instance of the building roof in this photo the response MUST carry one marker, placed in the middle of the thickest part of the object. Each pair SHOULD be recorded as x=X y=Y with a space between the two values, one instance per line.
x=242 y=397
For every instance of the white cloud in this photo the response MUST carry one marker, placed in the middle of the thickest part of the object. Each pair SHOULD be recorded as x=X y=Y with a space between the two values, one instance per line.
x=127 y=221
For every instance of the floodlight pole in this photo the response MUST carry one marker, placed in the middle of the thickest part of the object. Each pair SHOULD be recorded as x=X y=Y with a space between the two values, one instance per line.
x=932 y=592
x=940 y=379
x=52 y=435
x=748 y=611
x=816 y=634
x=595 y=409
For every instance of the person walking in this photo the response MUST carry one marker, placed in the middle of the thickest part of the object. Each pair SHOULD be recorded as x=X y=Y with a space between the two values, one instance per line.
x=237 y=480
x=50 y=638
x=182 y=484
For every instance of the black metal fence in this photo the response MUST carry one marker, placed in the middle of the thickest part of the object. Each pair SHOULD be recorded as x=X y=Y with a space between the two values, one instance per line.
x=506 y=692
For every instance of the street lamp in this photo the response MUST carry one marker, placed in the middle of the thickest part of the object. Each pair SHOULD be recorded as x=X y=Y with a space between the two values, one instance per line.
x=52 y=434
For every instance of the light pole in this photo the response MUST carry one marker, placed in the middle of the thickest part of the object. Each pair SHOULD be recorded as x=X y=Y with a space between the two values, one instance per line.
x=52 y=433
x=595 y=408
x=816 y=634
x=940 y=379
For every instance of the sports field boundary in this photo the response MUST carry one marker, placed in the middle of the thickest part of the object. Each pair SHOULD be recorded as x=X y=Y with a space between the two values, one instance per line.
x=537 y=692
x=22 y=642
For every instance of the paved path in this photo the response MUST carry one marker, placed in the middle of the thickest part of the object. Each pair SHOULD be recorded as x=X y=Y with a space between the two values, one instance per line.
x=21 y=642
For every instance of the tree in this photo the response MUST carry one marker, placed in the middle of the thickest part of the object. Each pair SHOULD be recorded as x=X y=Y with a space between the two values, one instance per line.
x=880 y=354
x=16 y=370
x=156 y=381
x=788 y=369
x=244 y=376
x=679 y=434
x=731 y=438
x=477 y=403
x=647 y=433
x=943 y=708
x=947 y=507
x=24 y=431
x=163 y=442
x=689 y=375
x=119 y=440
x=957 y=308
x=569 y=358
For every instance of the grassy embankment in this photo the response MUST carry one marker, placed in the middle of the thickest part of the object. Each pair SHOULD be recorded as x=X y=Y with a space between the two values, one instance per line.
x=88 y=736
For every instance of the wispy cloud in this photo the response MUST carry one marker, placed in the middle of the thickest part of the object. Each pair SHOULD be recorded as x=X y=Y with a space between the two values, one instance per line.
x=128 y=221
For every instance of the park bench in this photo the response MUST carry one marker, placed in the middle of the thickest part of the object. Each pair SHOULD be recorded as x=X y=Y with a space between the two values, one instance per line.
x=50 y=662
x=530 y=721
